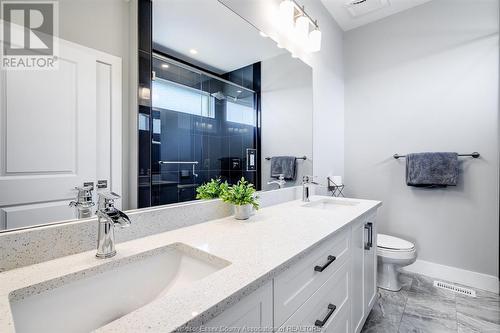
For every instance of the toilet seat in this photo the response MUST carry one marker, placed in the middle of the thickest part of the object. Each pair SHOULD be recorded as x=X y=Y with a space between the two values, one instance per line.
x=395 y=248
x=391 y=243
x=396 y=255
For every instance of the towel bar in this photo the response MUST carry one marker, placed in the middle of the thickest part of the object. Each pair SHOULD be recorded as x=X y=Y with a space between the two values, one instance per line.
x=473 y=155
x=297 y=158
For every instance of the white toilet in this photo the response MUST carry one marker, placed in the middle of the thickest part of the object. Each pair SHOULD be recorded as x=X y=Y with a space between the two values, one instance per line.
x=392 y=254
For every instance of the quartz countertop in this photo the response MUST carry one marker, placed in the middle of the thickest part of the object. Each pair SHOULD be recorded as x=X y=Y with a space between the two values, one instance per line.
x=258 y=249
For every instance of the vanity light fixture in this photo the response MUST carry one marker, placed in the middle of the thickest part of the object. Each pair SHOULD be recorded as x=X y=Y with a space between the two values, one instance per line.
x=295 y=26
x=314 y=40
x=193 y=51
x=301 y=32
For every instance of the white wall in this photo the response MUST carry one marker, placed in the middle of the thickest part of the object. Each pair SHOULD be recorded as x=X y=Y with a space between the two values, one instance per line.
x=328 y=80
x=427 y=80
x=287 y=116
x=106 y=26
x=328 y=92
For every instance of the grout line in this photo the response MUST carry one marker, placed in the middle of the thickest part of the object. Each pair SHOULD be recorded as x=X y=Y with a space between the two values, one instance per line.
x=404 y=308
x=402 y=315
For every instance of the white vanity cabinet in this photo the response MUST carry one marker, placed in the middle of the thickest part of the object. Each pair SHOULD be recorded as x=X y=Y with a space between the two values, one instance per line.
x=364 y=269
x=328 y=309
x=253 y=311
x=332 y=288
x=296 y=285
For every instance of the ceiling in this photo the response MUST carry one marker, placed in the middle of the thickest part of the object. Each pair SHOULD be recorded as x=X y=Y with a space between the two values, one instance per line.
x=224 y=40
x=351 y=14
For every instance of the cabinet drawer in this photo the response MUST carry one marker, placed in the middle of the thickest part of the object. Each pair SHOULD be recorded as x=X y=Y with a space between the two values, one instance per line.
x=328 y=308
x=295 y=285
x=254 y=311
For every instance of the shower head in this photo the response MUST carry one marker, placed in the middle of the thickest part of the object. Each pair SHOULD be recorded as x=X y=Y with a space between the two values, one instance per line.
x=219 y=95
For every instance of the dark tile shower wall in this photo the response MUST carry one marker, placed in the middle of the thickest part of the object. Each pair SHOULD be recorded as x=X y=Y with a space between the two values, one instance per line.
x=218 y=145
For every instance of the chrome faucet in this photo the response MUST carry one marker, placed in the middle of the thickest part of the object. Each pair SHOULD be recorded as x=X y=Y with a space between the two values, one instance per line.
x=280 y=182
x=83 y=203
x=306 y=182
x=108 y=217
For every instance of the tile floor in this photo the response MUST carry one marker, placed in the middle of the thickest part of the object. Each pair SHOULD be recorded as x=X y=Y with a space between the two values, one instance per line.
x=421 y=307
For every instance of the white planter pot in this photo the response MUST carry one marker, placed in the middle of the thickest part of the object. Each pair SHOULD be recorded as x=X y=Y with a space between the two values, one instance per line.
x=243 y=212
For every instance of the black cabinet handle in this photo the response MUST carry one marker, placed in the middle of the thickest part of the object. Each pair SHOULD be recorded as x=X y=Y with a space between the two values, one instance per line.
x=322 y=268
x=321 y=323
x=369 y=243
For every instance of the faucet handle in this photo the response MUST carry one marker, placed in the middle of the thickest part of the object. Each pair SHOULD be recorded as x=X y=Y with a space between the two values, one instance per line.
x=309 y=180
x=84 y=188
x=109 y=195
x=107 y=200
x=84 y=192
x=84 y=197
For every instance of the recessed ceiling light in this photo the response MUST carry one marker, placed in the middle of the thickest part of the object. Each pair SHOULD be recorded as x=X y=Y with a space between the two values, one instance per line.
x=239 y=91
x=262 y=34
x=193 y=51
x=165 y=66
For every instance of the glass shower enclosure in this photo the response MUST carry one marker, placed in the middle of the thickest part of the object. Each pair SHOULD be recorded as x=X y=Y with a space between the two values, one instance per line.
x=203 y=127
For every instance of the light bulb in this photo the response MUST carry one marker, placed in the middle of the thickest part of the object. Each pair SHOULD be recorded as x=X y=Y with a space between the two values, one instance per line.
x=301 y=32
x=314 y=41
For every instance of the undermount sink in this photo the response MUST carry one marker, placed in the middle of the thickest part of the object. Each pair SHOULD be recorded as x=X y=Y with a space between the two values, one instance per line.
x=95 y=297
x=331 y=204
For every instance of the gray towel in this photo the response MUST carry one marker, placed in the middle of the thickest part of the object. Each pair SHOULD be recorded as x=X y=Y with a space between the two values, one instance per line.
x=285 y=165
x=432 y=169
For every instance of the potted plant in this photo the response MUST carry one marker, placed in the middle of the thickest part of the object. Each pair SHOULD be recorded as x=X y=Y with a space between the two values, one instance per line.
x=211 y=190
x=242 y=197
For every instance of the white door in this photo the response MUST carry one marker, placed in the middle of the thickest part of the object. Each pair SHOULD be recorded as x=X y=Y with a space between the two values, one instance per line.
x=57 y=128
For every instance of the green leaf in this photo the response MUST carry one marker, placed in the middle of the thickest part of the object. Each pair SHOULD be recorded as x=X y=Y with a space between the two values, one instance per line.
x=211 y=190
x=243 y=193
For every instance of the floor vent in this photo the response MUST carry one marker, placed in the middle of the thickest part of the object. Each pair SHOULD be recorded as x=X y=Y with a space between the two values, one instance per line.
x=456 y=289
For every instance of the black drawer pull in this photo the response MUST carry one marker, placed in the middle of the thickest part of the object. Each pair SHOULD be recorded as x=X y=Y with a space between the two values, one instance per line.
x=322 y=268
x=321 y=323
x=369 y=243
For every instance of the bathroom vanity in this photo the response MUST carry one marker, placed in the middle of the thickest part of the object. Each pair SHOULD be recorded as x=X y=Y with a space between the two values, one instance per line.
x=332 y=288
x=292 y=266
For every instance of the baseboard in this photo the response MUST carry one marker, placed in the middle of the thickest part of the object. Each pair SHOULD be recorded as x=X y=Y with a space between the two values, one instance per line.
x=456 y=275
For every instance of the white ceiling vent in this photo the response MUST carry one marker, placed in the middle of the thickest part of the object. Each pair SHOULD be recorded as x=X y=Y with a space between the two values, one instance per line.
x=362 y=7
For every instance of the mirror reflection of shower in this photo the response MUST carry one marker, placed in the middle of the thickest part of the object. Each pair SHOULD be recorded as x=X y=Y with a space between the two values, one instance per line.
x=202 y=128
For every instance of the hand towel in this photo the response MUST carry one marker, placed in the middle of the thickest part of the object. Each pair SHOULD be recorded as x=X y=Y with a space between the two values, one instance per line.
x=432 y=169
x=285 y=165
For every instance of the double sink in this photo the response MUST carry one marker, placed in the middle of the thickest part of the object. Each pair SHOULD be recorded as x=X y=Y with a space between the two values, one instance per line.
x=89 y=299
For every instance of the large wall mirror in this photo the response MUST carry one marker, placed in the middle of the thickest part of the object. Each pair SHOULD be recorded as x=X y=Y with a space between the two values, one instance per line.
x=223 y=101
